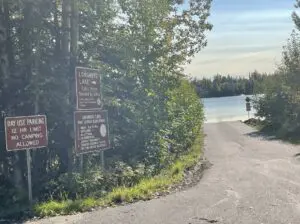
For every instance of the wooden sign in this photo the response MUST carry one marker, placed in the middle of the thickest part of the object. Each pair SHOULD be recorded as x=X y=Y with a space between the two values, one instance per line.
x=88 y=92
x=91 y=131
x=28 y=132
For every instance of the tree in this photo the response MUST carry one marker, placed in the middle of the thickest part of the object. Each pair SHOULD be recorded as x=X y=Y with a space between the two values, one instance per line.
x=140 y=47
x=230 y=86
x=281 y=104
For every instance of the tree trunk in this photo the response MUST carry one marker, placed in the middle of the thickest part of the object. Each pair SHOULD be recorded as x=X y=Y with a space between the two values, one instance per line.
x=3 y=74
x=9 y=44
x=74 y=53
x=66 y=26
x=57 y=30
x=66 y=38
x=3 y=41
x=74 y=30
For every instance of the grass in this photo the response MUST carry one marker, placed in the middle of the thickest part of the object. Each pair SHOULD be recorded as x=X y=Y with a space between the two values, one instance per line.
x=144 y=190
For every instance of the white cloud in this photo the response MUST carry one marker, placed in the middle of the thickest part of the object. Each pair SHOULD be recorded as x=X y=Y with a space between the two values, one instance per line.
x=243 y=41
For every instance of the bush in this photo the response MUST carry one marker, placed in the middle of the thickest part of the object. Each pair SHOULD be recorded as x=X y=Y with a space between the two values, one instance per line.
x=130 y=179
x=94 y=182
x=145 y=189
x=280 y=105
x=9 y=195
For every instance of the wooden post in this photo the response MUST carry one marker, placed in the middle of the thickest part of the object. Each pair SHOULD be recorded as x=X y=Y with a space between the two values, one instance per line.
x=81 y=162
x=29 y=176
x=102 y=160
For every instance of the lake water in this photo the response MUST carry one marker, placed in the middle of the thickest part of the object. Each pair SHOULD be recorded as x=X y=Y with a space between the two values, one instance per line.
x=226 y=109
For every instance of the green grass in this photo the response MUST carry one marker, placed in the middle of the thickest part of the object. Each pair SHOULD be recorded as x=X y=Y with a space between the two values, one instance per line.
x=144 y=190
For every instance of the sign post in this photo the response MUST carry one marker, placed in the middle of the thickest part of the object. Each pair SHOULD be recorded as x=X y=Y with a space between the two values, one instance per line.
x=28 y=159
x=81 y=163
x=102 y=160
x=91 y=123
x=248 y=106
x=25 y=133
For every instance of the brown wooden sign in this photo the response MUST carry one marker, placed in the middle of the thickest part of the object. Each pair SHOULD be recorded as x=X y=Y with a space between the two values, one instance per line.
x=26 y=132
x=91 y=131
x=88 y=88
x=248 y=106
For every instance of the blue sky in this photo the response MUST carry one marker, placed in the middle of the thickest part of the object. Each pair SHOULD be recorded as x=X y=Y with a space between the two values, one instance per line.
x=247 y=35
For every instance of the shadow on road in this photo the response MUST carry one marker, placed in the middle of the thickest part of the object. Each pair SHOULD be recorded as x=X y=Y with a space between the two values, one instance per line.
x=270 y=137
x=258 y=134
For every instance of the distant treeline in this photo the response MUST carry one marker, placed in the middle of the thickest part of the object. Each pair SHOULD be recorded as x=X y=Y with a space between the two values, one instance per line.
x=228 y=85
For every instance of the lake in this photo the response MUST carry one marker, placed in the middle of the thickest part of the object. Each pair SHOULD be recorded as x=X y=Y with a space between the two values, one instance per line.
x=226 y=109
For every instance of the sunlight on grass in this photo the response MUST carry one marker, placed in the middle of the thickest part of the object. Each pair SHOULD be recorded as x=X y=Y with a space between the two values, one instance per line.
x=144 y=190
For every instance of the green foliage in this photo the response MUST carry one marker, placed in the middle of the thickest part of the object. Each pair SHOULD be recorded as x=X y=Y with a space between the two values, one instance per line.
x=9 y=195
x=186 y=113
x=280 y=105
x=75 y=186
x=140 y=47
x=144 y=190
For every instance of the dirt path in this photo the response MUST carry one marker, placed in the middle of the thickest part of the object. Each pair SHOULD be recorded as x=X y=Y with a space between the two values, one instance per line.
x=252 y=181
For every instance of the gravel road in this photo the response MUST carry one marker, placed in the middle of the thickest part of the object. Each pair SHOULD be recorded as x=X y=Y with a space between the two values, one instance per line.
x=253 y=180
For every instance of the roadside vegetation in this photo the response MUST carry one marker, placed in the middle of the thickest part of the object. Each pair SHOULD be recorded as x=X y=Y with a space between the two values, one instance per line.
x=280 y=105
x=155 y=116
x=145 y=189
x=266 y=129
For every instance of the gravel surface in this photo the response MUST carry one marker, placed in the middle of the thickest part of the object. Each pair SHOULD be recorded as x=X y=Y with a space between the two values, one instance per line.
x=253 y=180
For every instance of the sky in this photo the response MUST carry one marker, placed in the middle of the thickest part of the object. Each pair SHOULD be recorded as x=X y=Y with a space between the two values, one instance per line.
x=247 y=35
